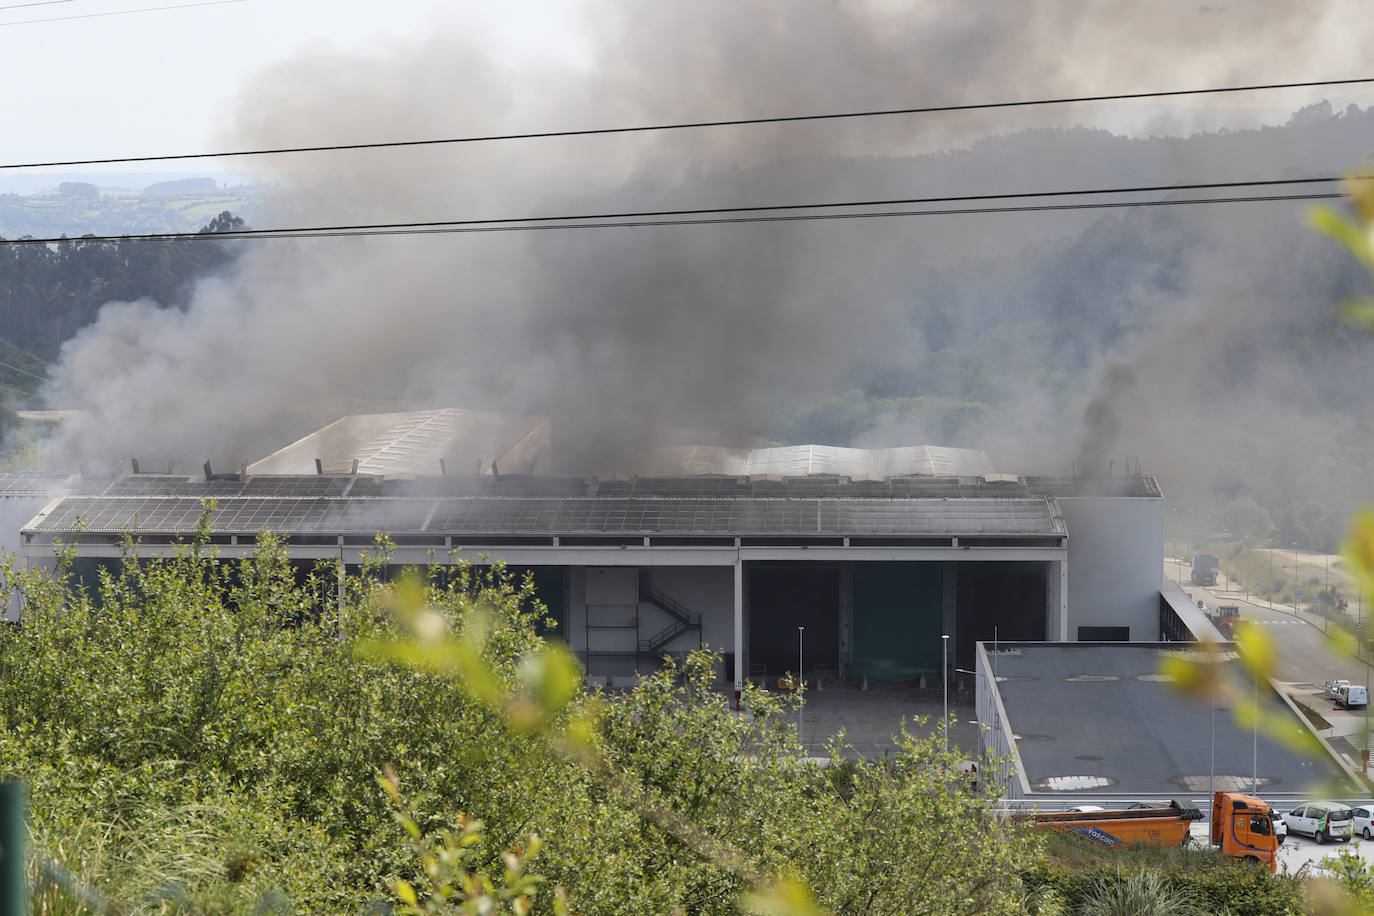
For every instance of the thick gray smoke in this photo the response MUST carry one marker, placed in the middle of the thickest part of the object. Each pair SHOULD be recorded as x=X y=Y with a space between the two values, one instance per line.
x=624 y=332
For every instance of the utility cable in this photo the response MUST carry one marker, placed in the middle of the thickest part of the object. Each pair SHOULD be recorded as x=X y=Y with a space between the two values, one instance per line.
x=14 y=346
x=146 y=9
x=19 y=6
x=685 y=125
x=522 y=224
x=22 y=371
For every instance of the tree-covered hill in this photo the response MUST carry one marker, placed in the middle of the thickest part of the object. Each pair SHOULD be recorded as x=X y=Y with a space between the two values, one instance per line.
x=49 y=292
x=77 y=208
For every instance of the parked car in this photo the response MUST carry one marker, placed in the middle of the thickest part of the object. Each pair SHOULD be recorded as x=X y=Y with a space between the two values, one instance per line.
x=1332 y=686
x=1321 y=820
x=1280 y=830
x=1352 y=696
x=1084 y=809
x=1363 y=813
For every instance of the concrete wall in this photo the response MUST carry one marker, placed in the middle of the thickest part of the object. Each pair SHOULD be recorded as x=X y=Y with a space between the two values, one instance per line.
x=1116 y=554
x=15 y=512
x=605 y=614
x=706 y=590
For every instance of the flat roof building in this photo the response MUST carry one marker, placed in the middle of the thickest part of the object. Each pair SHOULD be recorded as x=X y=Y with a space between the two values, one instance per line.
x=876 y=570
x=1098 y=719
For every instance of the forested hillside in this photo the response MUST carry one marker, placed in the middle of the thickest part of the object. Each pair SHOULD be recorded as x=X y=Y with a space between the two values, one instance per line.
x=49 y=292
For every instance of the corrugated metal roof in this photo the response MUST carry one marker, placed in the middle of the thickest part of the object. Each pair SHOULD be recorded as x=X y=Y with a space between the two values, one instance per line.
x=412 y=443
x=805 y=460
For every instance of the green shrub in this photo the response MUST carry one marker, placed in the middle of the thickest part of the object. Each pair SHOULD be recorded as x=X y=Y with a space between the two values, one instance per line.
x=1144 y=893
x=207 y=735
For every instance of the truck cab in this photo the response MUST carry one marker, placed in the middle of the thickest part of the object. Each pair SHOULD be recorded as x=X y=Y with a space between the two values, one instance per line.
x=1243 y=826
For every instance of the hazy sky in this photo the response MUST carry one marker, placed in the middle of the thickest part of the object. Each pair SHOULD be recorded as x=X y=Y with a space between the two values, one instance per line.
x=627 y=331
x=160 y=82
x=168 y=81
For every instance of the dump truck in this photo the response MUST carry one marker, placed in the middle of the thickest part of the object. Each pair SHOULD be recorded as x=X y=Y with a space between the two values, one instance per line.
x=1241 y=825
x=1204 y=569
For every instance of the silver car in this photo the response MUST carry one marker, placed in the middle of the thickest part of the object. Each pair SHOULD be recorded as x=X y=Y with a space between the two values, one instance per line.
x=1321 y=820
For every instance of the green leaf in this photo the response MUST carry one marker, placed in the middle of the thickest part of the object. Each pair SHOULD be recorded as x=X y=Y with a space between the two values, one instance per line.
x=1349 y=234
x=1257 y=650
x=552 y=677
x=1358 y=311
x=785 y=897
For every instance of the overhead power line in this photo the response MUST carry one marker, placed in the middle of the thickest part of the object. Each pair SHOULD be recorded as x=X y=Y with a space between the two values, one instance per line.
x=19 y=6
x=685 y=125
x=14 y=346
x=146 y=9
x=22 y=371
x=751 y=214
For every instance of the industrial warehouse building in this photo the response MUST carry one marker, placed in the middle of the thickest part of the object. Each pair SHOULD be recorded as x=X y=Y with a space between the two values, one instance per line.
x=877 y=554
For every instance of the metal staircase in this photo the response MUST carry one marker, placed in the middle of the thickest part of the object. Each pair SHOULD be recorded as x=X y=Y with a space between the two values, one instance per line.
x=684 y=620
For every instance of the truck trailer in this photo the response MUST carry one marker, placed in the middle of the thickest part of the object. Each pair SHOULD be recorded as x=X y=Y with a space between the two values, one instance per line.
x=1205 y=568
x=1241 y=825
x=1153 y=825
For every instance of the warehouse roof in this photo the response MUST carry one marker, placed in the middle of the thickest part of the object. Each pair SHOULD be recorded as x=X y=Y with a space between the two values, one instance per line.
x=413 y=442
x=1100 y=718
x=804 y=460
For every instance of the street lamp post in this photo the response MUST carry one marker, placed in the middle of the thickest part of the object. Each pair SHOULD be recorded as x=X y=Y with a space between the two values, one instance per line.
x=801 y=687
x=1254 y=736
x=944 y=676
x=1212 y=768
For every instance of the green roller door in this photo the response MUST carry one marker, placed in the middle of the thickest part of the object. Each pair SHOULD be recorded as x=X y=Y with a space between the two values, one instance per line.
x=897 y=620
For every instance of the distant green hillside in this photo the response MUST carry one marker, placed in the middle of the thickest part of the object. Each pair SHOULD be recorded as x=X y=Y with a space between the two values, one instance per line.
x=79 y=212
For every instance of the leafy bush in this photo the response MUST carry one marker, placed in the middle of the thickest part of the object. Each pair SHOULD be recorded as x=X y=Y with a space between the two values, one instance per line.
x=211 y=734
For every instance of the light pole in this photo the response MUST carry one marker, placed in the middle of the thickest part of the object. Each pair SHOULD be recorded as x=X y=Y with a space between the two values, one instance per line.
x=1212 y=767
x=1254 y=733
x=801 y=688
x=944 y=676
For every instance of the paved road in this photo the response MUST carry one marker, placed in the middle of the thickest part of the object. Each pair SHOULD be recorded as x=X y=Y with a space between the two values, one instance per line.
x=1307 y=660
x=1306 y=657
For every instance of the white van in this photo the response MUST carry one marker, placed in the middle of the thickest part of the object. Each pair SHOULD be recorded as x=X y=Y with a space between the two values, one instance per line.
x=1323 y=821
x=1350 y=696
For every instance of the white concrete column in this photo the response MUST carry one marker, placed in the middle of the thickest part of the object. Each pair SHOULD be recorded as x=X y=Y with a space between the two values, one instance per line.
x=1061 y=604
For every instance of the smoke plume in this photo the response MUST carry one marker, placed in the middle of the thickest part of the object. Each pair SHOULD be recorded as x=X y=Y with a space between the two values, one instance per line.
x=625 y=333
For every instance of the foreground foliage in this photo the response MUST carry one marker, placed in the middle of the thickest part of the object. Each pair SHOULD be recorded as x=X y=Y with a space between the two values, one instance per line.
x=1145 y=879
x=200 y=736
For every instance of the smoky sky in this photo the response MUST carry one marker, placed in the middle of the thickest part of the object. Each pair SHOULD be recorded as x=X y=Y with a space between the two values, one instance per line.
x=625 y=334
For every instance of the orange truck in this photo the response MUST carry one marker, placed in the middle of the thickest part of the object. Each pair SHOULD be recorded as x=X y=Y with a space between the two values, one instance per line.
x=1242 y=826
x=1225 y=618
